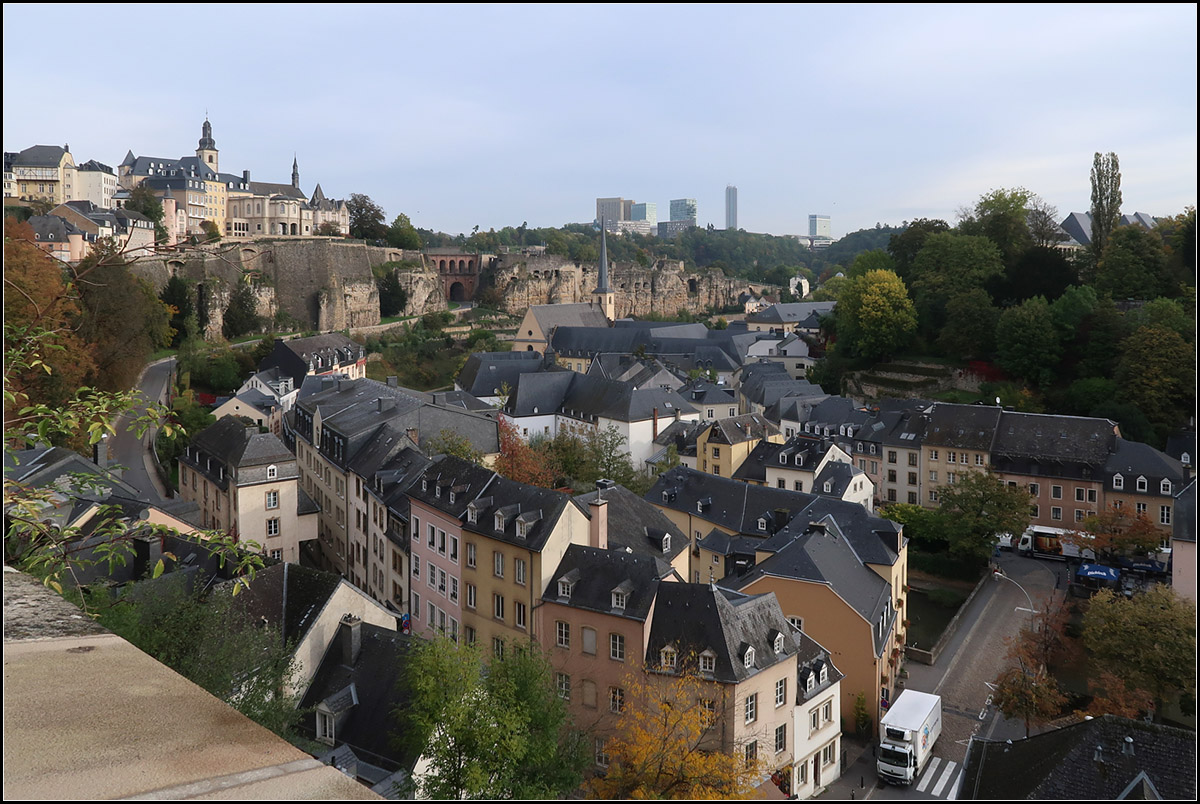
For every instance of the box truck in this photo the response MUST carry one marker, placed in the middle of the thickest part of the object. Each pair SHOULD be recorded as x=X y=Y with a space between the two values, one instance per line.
x=907 y=733
x=1045 y=542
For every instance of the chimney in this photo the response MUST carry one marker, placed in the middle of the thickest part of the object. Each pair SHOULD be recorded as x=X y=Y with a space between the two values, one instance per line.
x=1127 y=746
x=326 y=383
x=100 y=452
x=393 y=382
x=246 y=176
x=386 y=404
x=351 y=627
x=413 y=435
x=598 y=527
x=655 y=425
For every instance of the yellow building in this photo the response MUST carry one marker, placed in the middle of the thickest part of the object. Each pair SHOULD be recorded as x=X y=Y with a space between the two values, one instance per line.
x=721 y=448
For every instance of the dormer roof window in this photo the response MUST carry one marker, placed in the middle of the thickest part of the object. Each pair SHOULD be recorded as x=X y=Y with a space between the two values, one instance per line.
x=1165 y=487
x=667 y=657
x=564 y=588
x=778 y=642
x=452 y=496
x=1142 y=485
x=824 y=672
x=708 y=662
x=810 y=683
x=748 y=658
x=762 y=523
x=424 y=484
x=1118 y=482
x=499 y=521
x=828 y=486
x=666 y=543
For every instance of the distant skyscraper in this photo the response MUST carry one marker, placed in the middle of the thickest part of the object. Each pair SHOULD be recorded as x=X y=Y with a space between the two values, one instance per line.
x=683 y=209
x=610 y=210
x=818 y=226
x=730 y=207
x=645 y=212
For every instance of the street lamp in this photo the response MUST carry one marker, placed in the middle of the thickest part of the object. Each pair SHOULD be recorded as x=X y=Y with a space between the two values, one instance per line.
x=998 y=573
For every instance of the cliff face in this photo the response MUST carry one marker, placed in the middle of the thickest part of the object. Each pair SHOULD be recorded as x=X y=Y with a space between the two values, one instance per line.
x=664 y=288
x=325 y=285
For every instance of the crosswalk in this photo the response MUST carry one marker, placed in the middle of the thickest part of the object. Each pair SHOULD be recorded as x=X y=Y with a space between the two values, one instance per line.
x=938 y=778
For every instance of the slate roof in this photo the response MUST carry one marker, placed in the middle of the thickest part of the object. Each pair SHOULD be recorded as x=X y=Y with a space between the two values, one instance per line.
x=516 y=502
x=702 y=393
x=767 y=382
x=739 y=429
x=298 y=356
x=540 y=392
x=836 y=411
x=1180 y=444
x=271 y=188
x=803 y=313
x=636 y=524
x=40 y=156
x=587 y=397
x=370 y=724
x=893 y=428
x=579 y=314
x=1078 y=225
x=289 y=597
x=594 y=574
x=1131 y=459
x=695 y=617
x=1086 y=761
x=838 y=476
x=461 y=400
x=962 y=426
x=810 y=657
x=236 y=444
x=93 y=166
x=1073 y=439
x=52 y=228
x=485 y=373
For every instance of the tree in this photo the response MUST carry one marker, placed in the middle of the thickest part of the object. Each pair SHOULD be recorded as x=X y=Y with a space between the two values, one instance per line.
x=979 y=507
x=1044 y=223
x=402 y=234
x=668 y=744
x=1148 y=641
x=874 y=260
x=1028 y=695
x=1132 y=265
x=178 y=295
x=1157 y=372
x=329 y=229
x=489 y=730
x=212 y=233
x=241 y=316
x=607 y=456
x=142 y=199
x=1027 y=690
x=520 y=462
x=970 y=330
x=1115 y=532
x=366 y=218
x=1106 y=201
x=392 y=296
x=875 y=317
x=450 y=442
x=905 y=246
x=1002 y=217
x=1027 y=344
x=947 y=265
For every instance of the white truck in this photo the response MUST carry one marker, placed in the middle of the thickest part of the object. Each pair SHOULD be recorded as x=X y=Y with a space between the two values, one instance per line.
x=907 y=733
x=1056 y=543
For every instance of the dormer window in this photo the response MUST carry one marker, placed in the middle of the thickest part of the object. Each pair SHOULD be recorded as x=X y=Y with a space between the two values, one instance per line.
x=799 y=460
x=472 y=514
x=1118 y=482
x=452 y=495
x=1165 y=487
x=708 y=662
x=748 y=659
x=564 y=588
x=699 y=507
x=666 y=543
x=783 y=457
x=522 y=529
x=762 y=523
x=1185 y=459
x=828 y=487
x=424 y=484
x=666 y=658
x=499 y=521
x=618 y=599
x=437 y=491
x=666 y=496
x=810 y=683
x=779 y=643
x=1142 y=485
x=824 y=673
x=859 y=446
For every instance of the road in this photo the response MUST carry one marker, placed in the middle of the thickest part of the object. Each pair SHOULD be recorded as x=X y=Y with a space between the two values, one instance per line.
x=973 y=659
x=132 y=452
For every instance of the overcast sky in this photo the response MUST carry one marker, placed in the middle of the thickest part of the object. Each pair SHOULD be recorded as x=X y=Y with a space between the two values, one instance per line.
x=493 y=115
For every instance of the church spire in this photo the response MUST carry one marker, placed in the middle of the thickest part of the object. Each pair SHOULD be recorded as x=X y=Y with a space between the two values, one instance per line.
x=603 y=293
x=295 y=173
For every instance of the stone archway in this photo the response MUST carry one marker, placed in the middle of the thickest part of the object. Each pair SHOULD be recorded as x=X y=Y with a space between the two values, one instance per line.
x=458 y=293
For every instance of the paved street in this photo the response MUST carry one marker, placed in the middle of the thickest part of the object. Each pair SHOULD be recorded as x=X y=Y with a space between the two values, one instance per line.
x=131 y=452
x=973 y=659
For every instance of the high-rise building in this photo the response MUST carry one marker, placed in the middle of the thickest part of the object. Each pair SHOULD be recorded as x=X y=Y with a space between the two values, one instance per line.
x=645 y=212
x=683 y=209
x=818 y=226
x=730 y=207
x=611 y=210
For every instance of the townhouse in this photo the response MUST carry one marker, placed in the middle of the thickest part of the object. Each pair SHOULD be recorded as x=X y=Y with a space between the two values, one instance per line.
x=808 y=463
x=726 y=443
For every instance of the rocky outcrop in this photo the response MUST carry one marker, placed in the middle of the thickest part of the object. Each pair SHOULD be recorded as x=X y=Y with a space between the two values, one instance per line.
x=664 y=288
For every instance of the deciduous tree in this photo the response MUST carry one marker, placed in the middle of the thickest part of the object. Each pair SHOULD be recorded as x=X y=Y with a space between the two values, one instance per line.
x=402 y=234
x=1157 y=372
x=1132 y=265
x=949 y=264
x=520 y=462
x=450 y=442
x=875 y=317
x=979 y=507
x=668 y=745
x=1027 y=344
x=1106 y=200
x=1116 y=532
x=143 y=200
x=366 y=218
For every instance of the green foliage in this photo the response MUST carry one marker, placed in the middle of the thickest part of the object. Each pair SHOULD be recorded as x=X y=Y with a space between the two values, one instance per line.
x=906 y=244
x=1132 y=265
x=402 y=234
x=212 y=232
x=179 y=295
x=970 y=330
x=449 y=442
x=1027 y=344
x=1037 y=271
x=142 y=199
x=1148 y=641
x=329 y=229
x=874 y=260
x=1157 y=372
x=1168 y=314
x=862 y=719
x=189 y=418
x=831 y=289
x=1001 y=216
x=366 y=218
x=213 y=643
x=393 y=298
x=875 y=317
x=436 y=321
x=493 y=729
x=946 y=266
x=978 y=508
x=1106 y=200
x=241 y=316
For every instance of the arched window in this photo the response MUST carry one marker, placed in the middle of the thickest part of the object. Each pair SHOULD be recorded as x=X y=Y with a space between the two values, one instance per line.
x=272 y=472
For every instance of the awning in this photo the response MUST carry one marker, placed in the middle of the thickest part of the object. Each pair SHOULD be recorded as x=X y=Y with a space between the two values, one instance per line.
x=1098 y=572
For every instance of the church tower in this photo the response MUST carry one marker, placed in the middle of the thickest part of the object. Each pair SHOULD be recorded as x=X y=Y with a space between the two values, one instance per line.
x=207 y=152
x=603 y=295
x=295 y=173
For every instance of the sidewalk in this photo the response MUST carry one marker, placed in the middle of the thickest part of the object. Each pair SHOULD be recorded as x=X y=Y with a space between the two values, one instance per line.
x=858 y=780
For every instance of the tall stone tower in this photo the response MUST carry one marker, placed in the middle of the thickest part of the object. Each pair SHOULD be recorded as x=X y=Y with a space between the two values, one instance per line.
x=207 y=152
x=604 y=297
x=295 y=173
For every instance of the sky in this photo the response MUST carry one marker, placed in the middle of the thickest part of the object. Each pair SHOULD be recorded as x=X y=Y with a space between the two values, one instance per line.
x=490 y=116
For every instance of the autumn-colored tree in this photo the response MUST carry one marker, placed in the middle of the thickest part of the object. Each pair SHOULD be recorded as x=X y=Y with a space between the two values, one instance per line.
x=1029 y=695
x=1116 y=532
x=1112 y=696
x=1027 y=690
x=520 y=462
x=668 y=744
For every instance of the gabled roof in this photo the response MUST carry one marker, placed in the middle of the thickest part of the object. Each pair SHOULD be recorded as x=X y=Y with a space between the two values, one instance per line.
x=962 y=426
x=1133 y=458
x=1047 y=438
x=810 y=657
x=693 y=618
x=537 y=508
x=270 y=188
x=804 y=313
x=41 y=156
x=580 y=314
x=237 y=444
x=637 y=525
x=593 y=574
x=1104 y=759
x=486 y=373
x=739 y=429
x=289 y=597
x=587 y=397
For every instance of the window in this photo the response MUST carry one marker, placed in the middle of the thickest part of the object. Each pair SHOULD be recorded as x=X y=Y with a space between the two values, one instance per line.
x=1055 y=513
x=498 y=607
x=781 y=692
x=564 y=588
x=912 y=459
x=827 y=712
x=814 y=719
x=891 y=456
x=453 y=589
x=589 y=640
x=796 y=622
x=325 y=727
x=272 y=527
x=498 y=647
x=978 y=459
x=616 y=647
x=519 y=570
x=616 y=699
x=601 y=757
x=272 y=472
x=780 y=738
x=432 y=535
x=618 y=599
x=470 y=595
x=708 y=662
x=1164 y=514
x=781 y=483
x=441 y=542
x=563 y=632
x=891 y=475
x=801 y=773
x=874 y=467
x=1056 y=492
x=933 y=495
x=751 y=752
x=748 y=659
x=829 y=754
x=1034 y=489
x=416 y=605
x=752 y=707
x=563 y=682
x=912 y=478
x=933 y=454
x=1078 y=515
x=470 y=554
x=912 y=498
x=1033 y=512
x=272 y=499
x=1141 y=509
x=469 y=635
x=498 y=564
x=442 y=581
x=1079 y=494
x=716 y=452
x=1141 y=484
x=431 y=575
x=519 y=614
x=952 y=457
